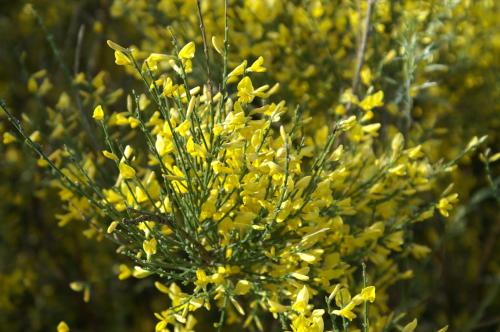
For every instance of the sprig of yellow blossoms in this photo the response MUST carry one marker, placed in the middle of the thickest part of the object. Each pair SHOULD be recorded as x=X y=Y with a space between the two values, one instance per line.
x=249 y=212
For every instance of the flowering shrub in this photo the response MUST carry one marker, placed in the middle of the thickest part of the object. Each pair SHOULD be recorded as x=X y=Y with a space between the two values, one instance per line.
x=245 y=209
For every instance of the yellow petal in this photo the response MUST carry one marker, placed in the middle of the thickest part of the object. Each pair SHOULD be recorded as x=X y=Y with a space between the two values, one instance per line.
x=245 y=90
x=76 y=286
x=112 y=227
x=121 y=59
x=8 y=138
x=275 y=307
x=307 y=257
x=126 y=171
x=98 y=113
x=242 y=287
x=239 y=70
x=302 y=300
x=140 y=273
x=110 y=155
x=372 y=101
x=217 y=45
x=187 y=52
x=115 y=46
x=494 y=157
x=125 y=272
x=62 y=327
x=256 y=66
x=368 y=293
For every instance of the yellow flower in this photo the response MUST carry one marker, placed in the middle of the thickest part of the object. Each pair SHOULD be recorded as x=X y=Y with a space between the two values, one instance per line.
x=32 y=85
x=349 y=97
x=346 y=311
x=216 y=45
x=397 y=143
x=124 y=272
x=112 y=227
x=307 y=257
x=149 y=247
x=301 y=301
x=313 y=323
x=63 y=102
x=183 y=128
x=494 y=157
x=299 y=275
x=140 y=194
x=191 y=105
x=256 y=66
x=366 y=76
x=121 y=59
x=372 y=101
x=242 y=287
x=141 y=273
x=8 y=138
x=79 y=286
x=187 y=52
x=152 y=63
x=126 y=171
x=445 y=204
x=201 y=279
x=219 y=168
x=62 y=327
x=275 y=307
x=245 y=90
x=239 y=70
x=98 y=113
x=416 y=152
x=196 y=150
x=368 y=293
x=36 y=136
x=372 y=129
x=168 y=87
x=110 y=155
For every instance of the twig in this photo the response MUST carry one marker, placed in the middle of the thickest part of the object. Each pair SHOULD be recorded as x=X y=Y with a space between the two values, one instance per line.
x=78 y=50
x=226 y=48
x=205 y=49
x=366 y=322
x=57 y=54
x=222 y=318
x=143 y=218
x=362 y=46
x=148 y=216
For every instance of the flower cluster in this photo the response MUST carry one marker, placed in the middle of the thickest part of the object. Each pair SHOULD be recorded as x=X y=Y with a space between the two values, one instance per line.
x=216 y=191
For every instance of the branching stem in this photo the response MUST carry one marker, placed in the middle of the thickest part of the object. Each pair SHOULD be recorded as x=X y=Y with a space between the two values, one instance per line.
x=362 y=46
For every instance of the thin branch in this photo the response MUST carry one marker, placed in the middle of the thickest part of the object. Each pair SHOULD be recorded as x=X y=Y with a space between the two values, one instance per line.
x=362 y=46
x=78 y=50
x=205 y=50
x=67 y=73
x=167 y=220
x=226 y=49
